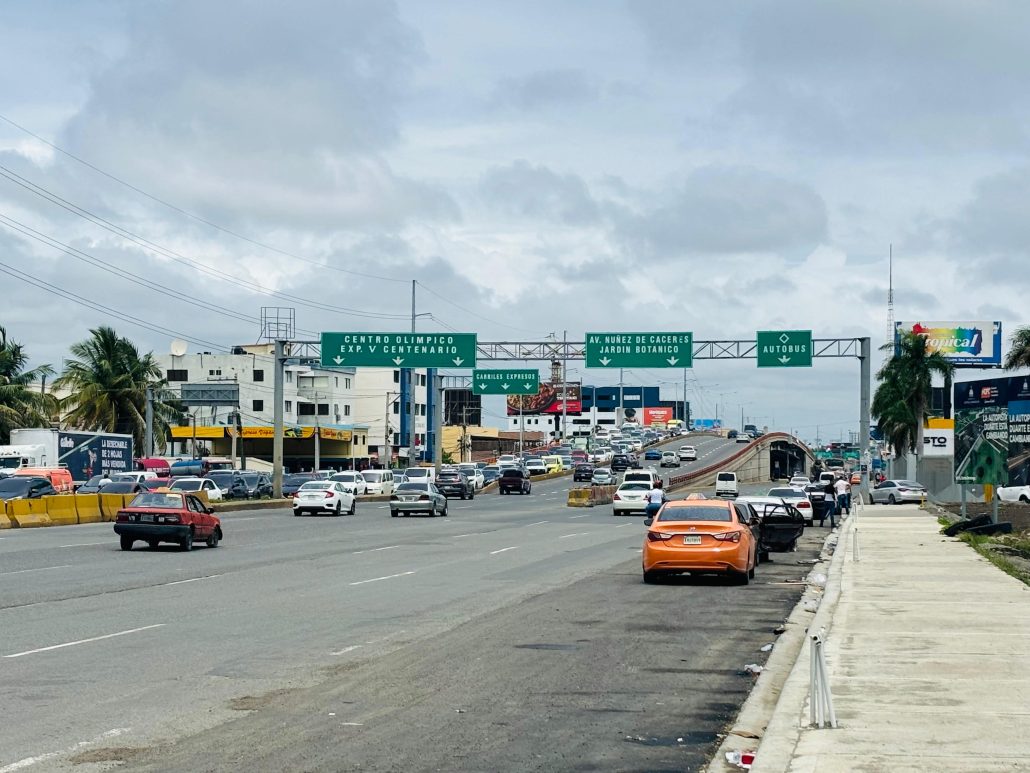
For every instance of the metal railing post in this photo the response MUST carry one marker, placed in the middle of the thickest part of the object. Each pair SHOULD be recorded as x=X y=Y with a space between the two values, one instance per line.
x=821 y=704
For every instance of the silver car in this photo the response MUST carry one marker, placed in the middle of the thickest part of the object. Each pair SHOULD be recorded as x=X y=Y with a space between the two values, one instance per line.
x=602 y=477
x=892 y=492
x=420 y=497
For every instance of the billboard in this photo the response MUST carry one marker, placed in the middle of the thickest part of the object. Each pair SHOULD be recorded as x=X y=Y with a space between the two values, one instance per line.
x=939 y=437
x=700 y=425
x=87 y=454
x=657 y=416
x=965 y=344
x=992 y=431
x=549 y=399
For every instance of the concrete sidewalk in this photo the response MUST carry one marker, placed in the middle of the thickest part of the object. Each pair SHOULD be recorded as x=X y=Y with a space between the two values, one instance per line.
x=928 y=650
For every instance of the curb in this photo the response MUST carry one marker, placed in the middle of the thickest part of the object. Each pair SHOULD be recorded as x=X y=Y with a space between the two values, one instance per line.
x=770 y=719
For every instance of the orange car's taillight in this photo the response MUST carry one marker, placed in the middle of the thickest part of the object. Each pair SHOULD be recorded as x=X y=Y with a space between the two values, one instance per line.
x=658 y=536
x=728 y=536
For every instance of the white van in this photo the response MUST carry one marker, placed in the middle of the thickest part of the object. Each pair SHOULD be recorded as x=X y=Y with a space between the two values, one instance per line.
x=641 y=476
x=420 y=475
x=726 y=484
x=378 y=481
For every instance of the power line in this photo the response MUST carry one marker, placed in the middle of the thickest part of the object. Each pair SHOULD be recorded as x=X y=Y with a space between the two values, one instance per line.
x=474 y=314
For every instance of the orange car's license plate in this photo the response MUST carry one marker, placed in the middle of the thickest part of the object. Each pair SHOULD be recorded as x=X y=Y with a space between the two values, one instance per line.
x=692 y=539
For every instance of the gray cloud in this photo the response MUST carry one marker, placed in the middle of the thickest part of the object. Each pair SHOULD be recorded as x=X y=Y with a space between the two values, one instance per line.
x=532 y=191
x=545 y=89
x=730 y=210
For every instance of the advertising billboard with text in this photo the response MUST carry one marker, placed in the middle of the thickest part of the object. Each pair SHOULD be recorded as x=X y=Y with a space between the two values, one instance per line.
x=548 y=400
x=656 y=416
x=992 y=431
x=965 y=344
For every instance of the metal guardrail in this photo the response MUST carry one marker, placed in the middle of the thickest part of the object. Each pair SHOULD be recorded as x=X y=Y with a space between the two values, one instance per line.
x=751 y=449
x=821 y=700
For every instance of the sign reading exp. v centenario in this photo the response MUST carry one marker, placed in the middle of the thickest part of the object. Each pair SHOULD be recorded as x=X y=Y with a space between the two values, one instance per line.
x=965 y=344
x=408 y=350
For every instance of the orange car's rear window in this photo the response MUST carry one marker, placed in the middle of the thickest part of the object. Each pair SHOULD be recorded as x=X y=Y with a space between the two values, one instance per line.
x=699 y=513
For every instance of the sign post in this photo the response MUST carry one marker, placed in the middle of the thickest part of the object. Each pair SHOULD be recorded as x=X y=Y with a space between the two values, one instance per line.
x=784 y=348
x=505 y=382
x=396 y=350
x=639 y=350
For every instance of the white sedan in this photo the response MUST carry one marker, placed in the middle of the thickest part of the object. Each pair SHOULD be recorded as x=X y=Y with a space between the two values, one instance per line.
x=799 y=480
x=687 y=454
x=473 y=473
x=208 y=486
x=325 y=496
x=630 y=498
x=1013 y=493
x=355 y=481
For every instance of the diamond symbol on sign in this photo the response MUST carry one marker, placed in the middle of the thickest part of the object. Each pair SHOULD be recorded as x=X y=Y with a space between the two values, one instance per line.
x=784 y=338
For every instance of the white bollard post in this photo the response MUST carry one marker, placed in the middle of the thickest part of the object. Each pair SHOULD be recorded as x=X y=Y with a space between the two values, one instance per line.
x=854 y=544
x=821 y=710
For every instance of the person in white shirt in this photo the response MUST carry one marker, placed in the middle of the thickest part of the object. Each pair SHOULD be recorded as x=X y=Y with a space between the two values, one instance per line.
x=840 y=488
x=655 y=499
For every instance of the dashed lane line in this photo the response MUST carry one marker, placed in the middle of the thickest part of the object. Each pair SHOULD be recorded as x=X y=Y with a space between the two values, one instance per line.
x=85 y=641
x=377 y=579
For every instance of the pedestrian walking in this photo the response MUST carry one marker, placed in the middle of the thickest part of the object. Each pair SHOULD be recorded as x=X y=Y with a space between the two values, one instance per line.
x=841 y=490
x=655 y=499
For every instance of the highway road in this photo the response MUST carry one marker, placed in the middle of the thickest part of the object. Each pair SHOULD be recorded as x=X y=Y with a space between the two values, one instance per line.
x=514 y=634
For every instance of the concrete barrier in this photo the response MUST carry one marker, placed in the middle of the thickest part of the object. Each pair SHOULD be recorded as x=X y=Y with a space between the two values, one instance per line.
x=602 y=495
x=579 y=497
x=110 y=504
x=5 y=522
x=87 y=508
x=61 y=510
x=28 y=513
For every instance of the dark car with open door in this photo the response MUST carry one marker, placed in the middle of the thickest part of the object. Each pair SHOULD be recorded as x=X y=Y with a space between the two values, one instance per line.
x=777 y=524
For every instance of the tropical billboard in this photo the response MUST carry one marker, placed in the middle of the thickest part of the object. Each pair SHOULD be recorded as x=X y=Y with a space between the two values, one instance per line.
x=965 y=344
x=700 y=425
x=992 y=431
x=550 y=399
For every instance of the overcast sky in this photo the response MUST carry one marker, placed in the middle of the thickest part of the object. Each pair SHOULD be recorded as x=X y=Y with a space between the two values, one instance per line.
x=539 y=166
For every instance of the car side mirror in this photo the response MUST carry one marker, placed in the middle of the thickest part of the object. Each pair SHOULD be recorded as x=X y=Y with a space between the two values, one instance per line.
x=648 y=521
x=209 y=510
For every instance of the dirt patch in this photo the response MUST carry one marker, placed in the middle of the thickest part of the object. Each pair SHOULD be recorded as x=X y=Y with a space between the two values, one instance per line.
x=255 y=702
x=1016 y=513
x=110 y=754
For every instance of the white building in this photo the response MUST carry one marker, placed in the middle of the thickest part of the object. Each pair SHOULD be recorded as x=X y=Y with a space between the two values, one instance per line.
x=311 y=396
x=377 y=405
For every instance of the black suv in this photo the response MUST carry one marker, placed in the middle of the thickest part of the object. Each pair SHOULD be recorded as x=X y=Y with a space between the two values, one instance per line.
x=258 y=485
x=583 y=472
x=621 y=463
x=455 y=484
x=231 y=483
x=514 y=480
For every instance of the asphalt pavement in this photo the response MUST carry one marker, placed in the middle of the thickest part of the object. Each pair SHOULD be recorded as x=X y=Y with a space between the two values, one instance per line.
x=108 y=655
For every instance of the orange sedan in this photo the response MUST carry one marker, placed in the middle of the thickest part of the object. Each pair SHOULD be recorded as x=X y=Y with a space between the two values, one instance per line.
x=701 y=535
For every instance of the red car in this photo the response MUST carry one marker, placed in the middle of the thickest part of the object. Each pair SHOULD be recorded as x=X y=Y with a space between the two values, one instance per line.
x=167 y=516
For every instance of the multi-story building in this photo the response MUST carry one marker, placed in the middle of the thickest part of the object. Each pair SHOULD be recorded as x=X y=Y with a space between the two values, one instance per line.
x=381 y=403
x=605 y=406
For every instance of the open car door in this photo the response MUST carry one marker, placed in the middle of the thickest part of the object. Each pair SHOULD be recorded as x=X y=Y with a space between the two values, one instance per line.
x=780 y=528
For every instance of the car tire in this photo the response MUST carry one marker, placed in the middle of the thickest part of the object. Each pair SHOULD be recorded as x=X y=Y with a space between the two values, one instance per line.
x=764 y=556
x=152 y=544
x=337 y=510
x=891 y=500
x=126 y=542
x=751 y=574
x=740 y=578
x=393 y=513
x=353 y=506
x=651 y=578
x=186 y=544
x=296 y=513
x=472 y=495
x=444 y=513
x=216 y=535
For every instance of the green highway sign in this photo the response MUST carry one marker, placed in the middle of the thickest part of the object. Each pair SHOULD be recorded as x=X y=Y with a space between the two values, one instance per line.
x=505 y=382
x=784 y=348
x=399 y=350
x=640 y=350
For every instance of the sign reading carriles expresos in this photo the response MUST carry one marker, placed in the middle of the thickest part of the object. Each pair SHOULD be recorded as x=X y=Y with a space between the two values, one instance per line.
x=399 y=350
x=639 y=350
x=505 y=382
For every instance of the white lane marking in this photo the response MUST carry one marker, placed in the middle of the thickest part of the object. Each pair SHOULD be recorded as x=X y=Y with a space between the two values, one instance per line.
x=503 y=550
x=577 y=534
x=377 y=579
x=459 y=536
x=384 y=638
x=382 y=507
x=345 y=650
x=388 y=547
x=537 y=523
x=352 y=724
x=40 y=569
x=85 y=641
x=248 y=518
x=623 y=525
x=30 y=761
x=85 y=544
x=192 y=579
x=585 y=515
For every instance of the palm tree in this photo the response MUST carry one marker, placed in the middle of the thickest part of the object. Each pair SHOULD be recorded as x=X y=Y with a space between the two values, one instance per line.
x=108 y=380
x=1019 y=353
x=903 y=394
x=20 y=405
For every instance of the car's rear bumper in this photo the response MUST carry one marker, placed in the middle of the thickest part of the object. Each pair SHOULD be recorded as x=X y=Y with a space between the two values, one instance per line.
x=411 y=507
x=629 y=507
x=661 y=557
x=167 y=532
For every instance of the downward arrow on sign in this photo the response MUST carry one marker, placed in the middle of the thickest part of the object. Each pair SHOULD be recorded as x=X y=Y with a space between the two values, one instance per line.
x=505 y=387
x=457 y=360
x=527 y=386
x=483 y=387
x=604 y=361
x=784 y=359
x=398 y=360
x=337 y=359
x=672 y=360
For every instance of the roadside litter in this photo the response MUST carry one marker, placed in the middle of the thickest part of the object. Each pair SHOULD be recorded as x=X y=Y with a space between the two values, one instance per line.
x=818 y=578
x=766 y=648
x=754 y=669
x=742 y=760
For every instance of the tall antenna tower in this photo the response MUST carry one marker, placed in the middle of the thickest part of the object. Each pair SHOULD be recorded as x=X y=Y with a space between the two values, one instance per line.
x=890 y=293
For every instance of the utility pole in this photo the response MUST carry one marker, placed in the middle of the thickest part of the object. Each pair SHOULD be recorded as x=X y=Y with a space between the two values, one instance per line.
x=564 y=384
x=387 y=435
x=318 y=448
x=464 y=432
x=148 y=438
x=277 y=419
x=684 y=416
x=234 y=438
x=239 y=434
x=412 y=376
x=437 y=421
x=622 y=401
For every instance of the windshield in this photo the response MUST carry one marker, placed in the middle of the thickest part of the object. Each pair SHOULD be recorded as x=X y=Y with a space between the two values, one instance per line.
x=695 y=513
x=315 y=485
x=17 y=483
x=727 y=476
x=413 y=487
x=157 y=500
x=296 y=479
x=250 y=480
x=372 y=477
x=416 y=472
x=345 y=477
x=909 y=484
x=786 y=493
x=635 y=487
x=187 y=485
x=120 y=487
